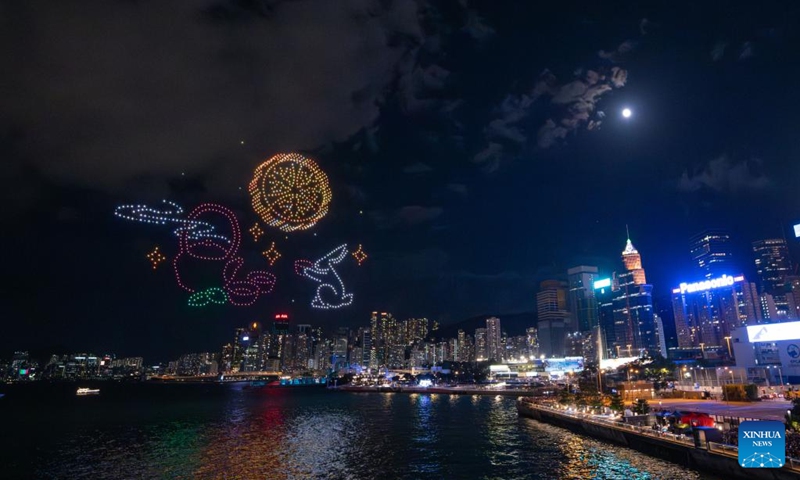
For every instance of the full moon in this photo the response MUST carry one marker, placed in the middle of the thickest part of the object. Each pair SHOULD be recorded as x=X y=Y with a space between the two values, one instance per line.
x=626 y=112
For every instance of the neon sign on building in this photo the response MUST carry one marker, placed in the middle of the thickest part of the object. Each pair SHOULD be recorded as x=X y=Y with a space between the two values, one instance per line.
x=602 y=283
x=719 y=282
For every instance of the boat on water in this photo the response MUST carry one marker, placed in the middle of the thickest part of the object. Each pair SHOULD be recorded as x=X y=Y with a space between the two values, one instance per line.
x=87 y=391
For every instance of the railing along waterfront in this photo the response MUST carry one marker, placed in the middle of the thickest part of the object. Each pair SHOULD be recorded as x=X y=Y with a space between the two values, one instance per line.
x=733 y=451
x=719 y=448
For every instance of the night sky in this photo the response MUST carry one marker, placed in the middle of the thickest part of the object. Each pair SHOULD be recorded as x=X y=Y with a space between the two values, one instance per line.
x=473 y=149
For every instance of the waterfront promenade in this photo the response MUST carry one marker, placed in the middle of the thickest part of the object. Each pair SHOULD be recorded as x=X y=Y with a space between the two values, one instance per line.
x=458 y=390
x=715 y=457
x=764 y=410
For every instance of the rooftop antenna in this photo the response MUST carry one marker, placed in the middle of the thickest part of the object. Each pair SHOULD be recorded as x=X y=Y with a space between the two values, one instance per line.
x=627 y=231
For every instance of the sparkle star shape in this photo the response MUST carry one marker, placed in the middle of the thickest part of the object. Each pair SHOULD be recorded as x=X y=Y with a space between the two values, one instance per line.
x=359 y=255
x=256 y=231
x=272 y=254
x=156 y=257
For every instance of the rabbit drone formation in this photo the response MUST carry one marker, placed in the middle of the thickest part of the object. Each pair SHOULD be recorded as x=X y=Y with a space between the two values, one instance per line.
x=289 y=192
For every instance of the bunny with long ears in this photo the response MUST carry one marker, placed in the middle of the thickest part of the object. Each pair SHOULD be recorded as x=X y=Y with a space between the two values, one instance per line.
x=331 y=286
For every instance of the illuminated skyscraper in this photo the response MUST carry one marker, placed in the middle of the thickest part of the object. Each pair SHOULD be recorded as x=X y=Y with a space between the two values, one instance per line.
x=772 y=264
x=553 y=317
x=367 y=350
x=634 y=324
x=711 y=251
x=708 y=311
x=580 y=297
x=480 y=345
x=385 y=335
x=532 y=341
x=495 y=347
x=633 y=264
x=774 y=268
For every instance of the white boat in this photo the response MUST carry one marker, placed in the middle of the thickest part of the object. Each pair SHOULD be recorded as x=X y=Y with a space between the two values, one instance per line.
x=88 y=391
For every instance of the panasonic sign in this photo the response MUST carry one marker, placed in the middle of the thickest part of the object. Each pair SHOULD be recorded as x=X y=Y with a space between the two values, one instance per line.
x=720 y=282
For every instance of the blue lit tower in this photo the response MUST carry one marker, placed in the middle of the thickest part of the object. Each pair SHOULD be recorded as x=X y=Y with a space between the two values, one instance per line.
x=774 y=267
x=711 y=251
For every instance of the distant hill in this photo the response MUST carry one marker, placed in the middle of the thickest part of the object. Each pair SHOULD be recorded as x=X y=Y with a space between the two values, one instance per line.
x=513 y=324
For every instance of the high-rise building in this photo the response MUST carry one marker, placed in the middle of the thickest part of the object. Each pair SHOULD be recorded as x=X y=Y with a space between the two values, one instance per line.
x=385 y=335
x=662 y=338
x=632 y=261
x=480 y=345
x=772 y=264
x=774 y=268
x=461 y=344
x=634 y=324
x=495 y=347
x=793 y=284
x=532 y=341
x=604 y=292
x=581 y=301
x=706 y=312
x=711 y=252
x=367 y=350
x=339 y=351
x=414 y=330
x=553 y=317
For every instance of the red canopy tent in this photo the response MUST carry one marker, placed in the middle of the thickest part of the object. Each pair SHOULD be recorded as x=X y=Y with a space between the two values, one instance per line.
x=697 y=419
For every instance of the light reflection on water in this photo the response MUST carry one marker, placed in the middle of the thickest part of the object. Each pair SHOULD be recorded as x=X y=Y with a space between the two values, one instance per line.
x=305 y=434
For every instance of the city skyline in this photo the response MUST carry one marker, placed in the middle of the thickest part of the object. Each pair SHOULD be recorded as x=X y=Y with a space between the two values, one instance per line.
x=478 y=151
x=630 y=258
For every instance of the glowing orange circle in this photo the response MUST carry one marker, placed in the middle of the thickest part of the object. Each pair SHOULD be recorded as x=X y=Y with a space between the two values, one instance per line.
x=290 y=192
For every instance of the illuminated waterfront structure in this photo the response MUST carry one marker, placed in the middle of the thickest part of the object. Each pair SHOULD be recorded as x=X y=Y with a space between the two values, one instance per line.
x=707 y=311
x=711 y=252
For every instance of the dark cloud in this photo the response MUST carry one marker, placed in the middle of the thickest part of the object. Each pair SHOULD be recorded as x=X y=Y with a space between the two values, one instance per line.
x=476 y=27
x=458 y=188
x=414 y=214
x=722 y=175
x=571 y=106
x=418 y=90
x=417 y=168
x=747 y=51
x=104 y=99
x=408 y=215
x=719 y=50
x=644 y=26
x=618 y=55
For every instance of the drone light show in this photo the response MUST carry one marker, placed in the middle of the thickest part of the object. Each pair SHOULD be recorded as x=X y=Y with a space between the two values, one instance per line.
x=290 y=192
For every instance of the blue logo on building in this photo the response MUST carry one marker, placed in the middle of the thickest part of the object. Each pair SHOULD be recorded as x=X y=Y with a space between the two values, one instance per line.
x=793 y=350
x=762 y=444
